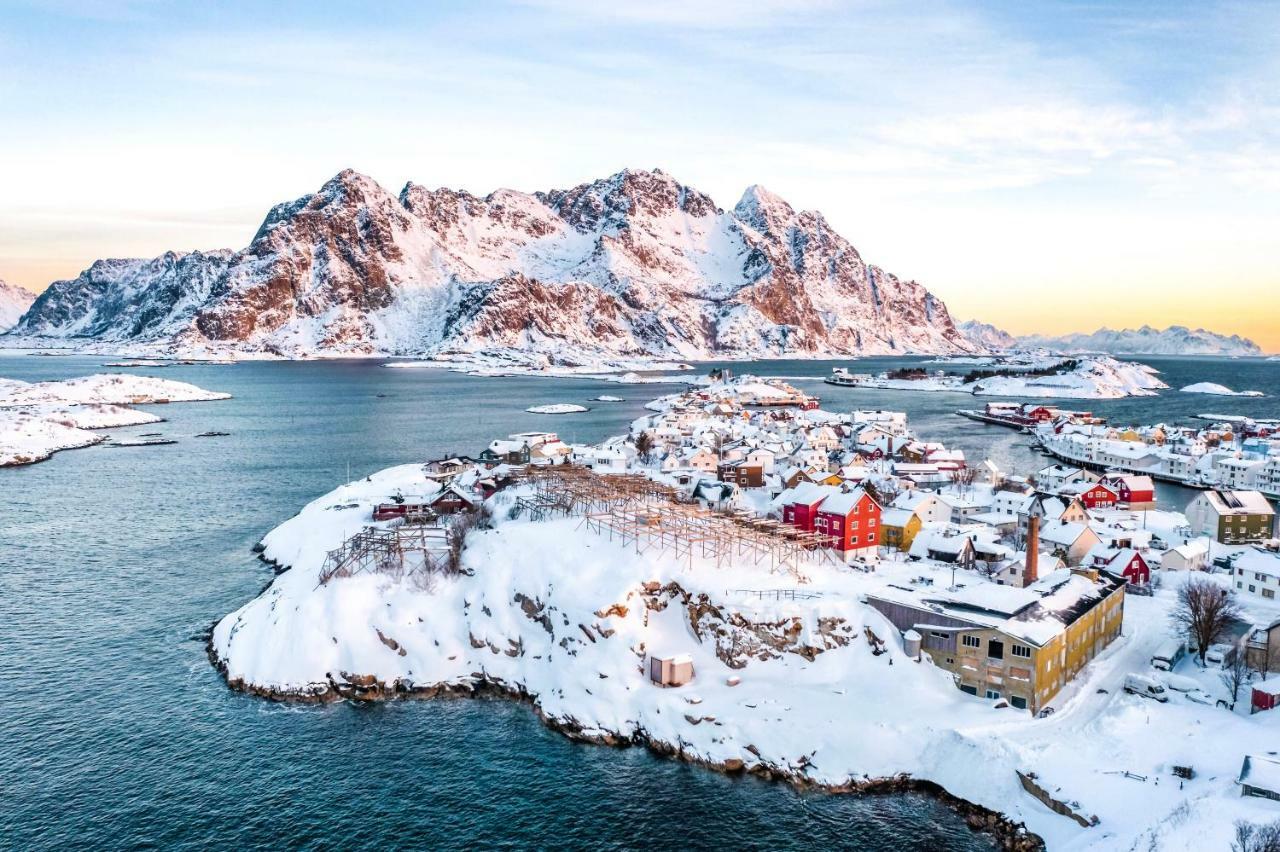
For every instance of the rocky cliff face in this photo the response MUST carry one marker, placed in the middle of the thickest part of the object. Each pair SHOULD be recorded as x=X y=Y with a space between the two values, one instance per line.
x=636 y=264
x=14 y=301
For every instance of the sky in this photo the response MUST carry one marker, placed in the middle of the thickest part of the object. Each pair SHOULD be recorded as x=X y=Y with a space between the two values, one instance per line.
x=1044 y=166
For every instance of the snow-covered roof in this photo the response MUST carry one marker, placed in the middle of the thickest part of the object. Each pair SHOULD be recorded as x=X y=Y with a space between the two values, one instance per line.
x=1239 y=503
x=1261 y=771
x=895 y=517
x=1257 y=560
x=842 y=502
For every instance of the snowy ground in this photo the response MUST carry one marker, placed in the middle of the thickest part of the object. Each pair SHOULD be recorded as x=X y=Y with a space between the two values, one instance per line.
x=37 y=420
x=569 y=615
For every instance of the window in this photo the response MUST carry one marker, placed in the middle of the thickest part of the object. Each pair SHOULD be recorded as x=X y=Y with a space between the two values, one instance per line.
x=853 y=525
x=1268 y=593
x=971 y=690
x=972 y=642
x=937 y=635
x=1253 y=588
x=993 y=694
x=871 y=522
x=995 y=650
x=1021 y=651
x=1018 y=701
x=950 y=660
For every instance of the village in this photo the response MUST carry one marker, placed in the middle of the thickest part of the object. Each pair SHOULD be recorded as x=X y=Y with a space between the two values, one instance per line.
x=735 y=551
x=1232 y=453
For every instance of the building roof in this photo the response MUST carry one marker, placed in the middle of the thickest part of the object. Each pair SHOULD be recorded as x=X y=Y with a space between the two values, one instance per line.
x=1261 y=771
x=842 y=502
x=1035 y=614
x=896 y=517
x=1257 y=560
x=1238 y=503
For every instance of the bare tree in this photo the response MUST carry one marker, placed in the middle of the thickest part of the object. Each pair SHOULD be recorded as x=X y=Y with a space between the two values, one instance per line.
x=1235 y=672
x=883 y=492
x=1256 y=837
x=1204 y=612
x=964 y=478
x=460 y=528
x=644 y=446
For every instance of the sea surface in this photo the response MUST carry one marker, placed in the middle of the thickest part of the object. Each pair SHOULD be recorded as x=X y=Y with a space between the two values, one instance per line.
x=115 y=731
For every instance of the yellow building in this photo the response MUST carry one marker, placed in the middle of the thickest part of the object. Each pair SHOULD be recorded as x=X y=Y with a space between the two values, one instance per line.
x=898 y=528
x=1001 y=642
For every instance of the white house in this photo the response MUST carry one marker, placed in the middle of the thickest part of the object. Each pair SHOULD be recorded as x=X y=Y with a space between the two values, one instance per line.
x=1257 y=574
x=1192 y=556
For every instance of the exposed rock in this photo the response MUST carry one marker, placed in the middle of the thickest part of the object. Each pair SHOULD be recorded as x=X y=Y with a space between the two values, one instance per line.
x=634 y=264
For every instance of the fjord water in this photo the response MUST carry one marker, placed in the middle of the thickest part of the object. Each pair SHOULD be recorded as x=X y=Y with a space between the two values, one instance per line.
x=116 y=732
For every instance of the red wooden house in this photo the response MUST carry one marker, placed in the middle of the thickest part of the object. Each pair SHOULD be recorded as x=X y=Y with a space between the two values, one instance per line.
x=1131 y=489
x=800 y=504
x=1130 y=564
x=1094 y=495
x=851 y=520
x=390 y=511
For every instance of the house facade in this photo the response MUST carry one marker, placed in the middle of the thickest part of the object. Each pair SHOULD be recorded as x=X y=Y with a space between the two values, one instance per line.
x=1232 y=517
x=1022 y=645
x=851 y=521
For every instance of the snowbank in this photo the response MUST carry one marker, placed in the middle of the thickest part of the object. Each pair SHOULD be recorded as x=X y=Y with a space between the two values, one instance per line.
x=607 y=398
x=557 y=408
x=1217 y=390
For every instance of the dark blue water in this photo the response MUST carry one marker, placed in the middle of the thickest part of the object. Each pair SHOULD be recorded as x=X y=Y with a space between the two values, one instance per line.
x=115 y=732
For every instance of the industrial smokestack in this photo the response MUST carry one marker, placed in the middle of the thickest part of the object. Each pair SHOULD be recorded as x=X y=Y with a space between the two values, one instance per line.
x=1033 y=550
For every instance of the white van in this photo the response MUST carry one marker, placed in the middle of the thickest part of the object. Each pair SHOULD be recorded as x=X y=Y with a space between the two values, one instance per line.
x=1168 y=655
x=1136 y=684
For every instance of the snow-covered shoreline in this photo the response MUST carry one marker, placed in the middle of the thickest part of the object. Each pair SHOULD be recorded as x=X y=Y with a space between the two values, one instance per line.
x=40 y=419
x=787 y=686
x=1214 y=389
x=1101 y=377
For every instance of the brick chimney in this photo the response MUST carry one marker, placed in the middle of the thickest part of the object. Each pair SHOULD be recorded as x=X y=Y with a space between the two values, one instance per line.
x=1033 y=551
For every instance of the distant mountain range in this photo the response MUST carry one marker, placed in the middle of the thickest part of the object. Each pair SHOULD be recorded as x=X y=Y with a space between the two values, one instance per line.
x=14 y=302
x=1174 y=340
x=636 y=264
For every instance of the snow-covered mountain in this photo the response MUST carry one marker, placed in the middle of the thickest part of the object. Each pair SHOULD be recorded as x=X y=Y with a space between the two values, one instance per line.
x=1174 y=340
x=636 y=264
x=14 y=301
x=986 y=336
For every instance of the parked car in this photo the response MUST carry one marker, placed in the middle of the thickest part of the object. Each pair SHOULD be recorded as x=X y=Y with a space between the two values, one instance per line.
x=1217 y=654
x=1177 y=683
x=1199 y=696
x=1170 y=652
x=1136 y=684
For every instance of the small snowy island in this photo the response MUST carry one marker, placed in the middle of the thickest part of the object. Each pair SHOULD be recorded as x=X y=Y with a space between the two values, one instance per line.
x=632 y=597
x=1039 y=376
x=557 y=408
x=1217 y=390
x=39 y=419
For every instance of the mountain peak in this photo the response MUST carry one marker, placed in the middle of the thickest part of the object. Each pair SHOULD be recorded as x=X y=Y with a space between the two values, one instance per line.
x=632 y=264
x=762 y=209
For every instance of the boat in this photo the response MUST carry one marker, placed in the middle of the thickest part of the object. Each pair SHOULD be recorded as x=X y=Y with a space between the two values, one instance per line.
x=841 y=377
